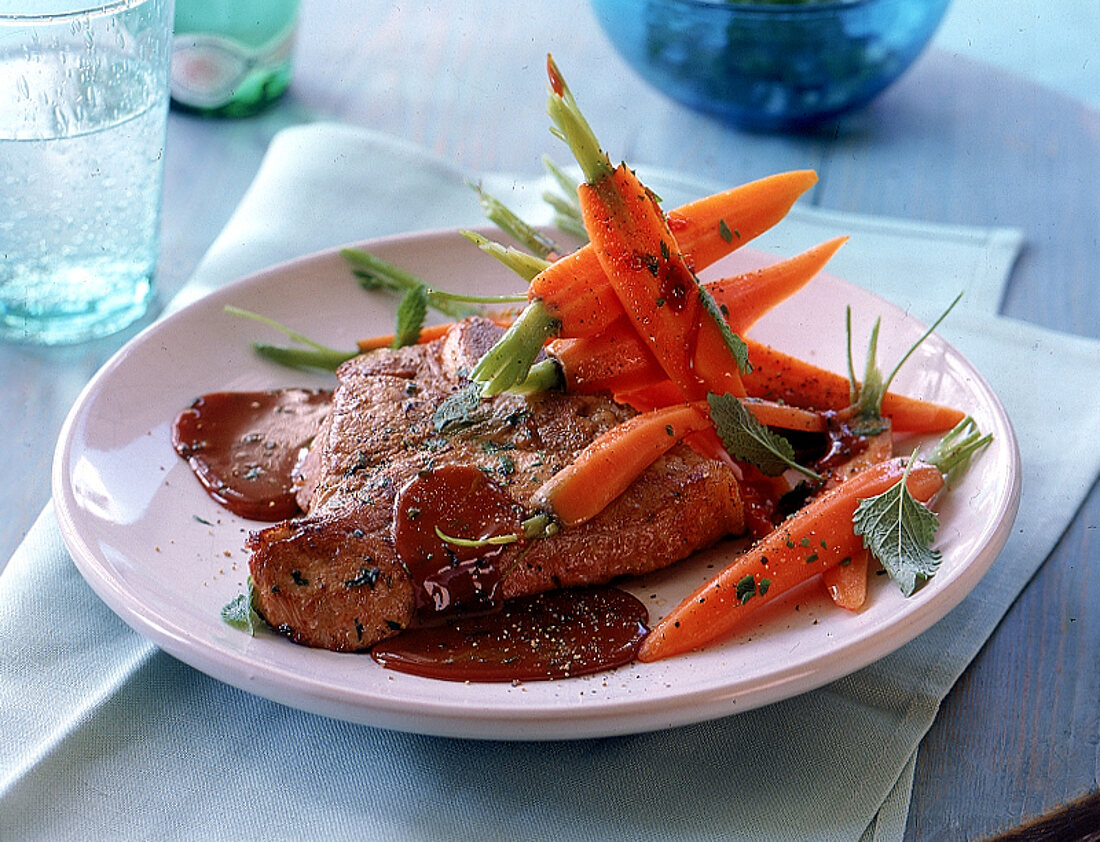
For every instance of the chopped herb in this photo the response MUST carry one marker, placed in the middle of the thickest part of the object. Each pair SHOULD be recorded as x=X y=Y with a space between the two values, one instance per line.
x=764 y=585
x=724 y=231
x=459 y=409
x=203 y=521
x=367 y=576
x=746 y=589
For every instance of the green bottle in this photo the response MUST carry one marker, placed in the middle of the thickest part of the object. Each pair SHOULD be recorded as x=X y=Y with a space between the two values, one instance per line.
x=231 y=58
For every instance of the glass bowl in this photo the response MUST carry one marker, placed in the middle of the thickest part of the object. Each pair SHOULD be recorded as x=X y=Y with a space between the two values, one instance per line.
x=770 y=66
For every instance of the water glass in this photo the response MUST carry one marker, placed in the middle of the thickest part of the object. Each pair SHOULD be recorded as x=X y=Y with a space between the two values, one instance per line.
x=83 y=104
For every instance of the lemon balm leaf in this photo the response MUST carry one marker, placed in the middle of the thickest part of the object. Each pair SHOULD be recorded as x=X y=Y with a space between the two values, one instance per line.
x=240 y=614
x=899 y=530
x=750 y=441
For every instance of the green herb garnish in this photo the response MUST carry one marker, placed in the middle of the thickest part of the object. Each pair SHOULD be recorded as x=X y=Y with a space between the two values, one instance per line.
x=747 y=439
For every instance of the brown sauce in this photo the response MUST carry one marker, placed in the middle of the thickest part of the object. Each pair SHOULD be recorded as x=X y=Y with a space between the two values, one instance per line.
x=552 y=635
x=842 y=443
x=243 y=446
x=461 y=502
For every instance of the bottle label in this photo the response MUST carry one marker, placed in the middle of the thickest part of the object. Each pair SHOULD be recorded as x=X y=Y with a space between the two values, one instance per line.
x=210 y=71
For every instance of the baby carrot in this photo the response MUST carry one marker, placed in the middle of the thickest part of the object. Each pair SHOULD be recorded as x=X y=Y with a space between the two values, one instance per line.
x=653 y=283
x=744 y=298
x=846 y=584
x=607 y=361
x=642 y=260
x=615 y=359
x=607 y=466
x=819 y=536
x=779 y=376
x=427 y=334
x=577 y=293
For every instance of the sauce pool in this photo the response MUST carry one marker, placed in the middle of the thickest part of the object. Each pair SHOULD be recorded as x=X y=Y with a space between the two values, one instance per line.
x=244 y=446
x=559 y=634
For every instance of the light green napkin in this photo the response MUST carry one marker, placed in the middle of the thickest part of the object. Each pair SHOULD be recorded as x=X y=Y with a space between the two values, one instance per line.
x=102 y=736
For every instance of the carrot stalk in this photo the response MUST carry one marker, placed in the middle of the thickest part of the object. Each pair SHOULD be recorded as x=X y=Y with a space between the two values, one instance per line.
x=527 y=266
x=535 y=241
x=816 y=538
x=607 y=466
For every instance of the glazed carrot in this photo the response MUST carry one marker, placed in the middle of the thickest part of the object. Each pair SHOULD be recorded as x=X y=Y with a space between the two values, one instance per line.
x=779 y=376
x=615 y=359
x=576 y=291
x=769 y=413
x=816 y=538
x=846 y=584
x=710 y=228
x=607 y=466
x=644 y=398
x=427 y=334
x=746 y=297
x=653 y=283
x=784 y=416
x=610 y=361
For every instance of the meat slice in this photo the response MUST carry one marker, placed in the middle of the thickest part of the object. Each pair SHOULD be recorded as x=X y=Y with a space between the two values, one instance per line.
x=332 y=578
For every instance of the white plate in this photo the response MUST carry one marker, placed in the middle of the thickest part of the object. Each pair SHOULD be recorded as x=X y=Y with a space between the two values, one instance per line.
x=166 y=558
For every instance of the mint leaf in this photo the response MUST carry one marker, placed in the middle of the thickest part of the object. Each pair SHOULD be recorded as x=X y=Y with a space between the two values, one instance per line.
x=410 y=316
x=240 y=614
x=898 y=530
x=459 y=409
x=750 y=441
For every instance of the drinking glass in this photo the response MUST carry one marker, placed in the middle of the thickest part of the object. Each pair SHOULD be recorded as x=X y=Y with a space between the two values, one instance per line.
x=83 y=104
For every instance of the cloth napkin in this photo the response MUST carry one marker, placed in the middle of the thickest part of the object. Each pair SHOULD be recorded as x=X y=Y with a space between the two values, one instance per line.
x=103 y=736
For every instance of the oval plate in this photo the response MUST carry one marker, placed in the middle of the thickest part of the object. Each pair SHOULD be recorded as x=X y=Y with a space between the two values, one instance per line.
x=166 y=558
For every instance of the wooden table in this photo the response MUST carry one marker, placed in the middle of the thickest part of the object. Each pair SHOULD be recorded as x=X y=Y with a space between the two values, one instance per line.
x=953 y=142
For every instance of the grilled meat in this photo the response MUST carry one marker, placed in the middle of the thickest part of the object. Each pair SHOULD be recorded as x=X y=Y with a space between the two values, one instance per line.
x=332 y=578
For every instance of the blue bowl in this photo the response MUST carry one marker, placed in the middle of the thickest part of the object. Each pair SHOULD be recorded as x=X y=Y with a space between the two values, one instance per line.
x=770 y=66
